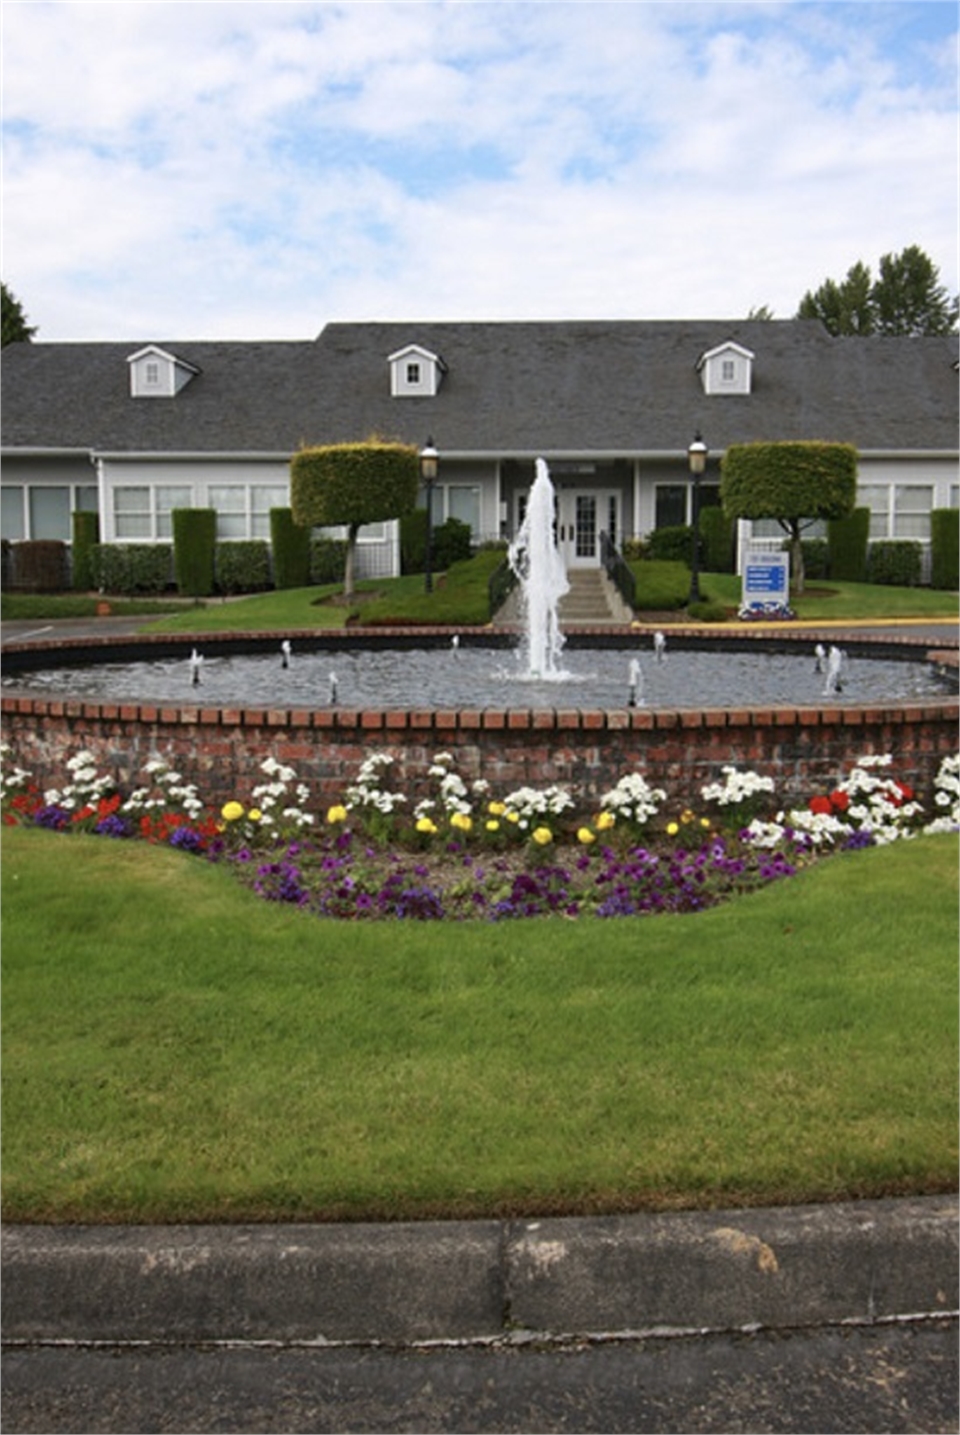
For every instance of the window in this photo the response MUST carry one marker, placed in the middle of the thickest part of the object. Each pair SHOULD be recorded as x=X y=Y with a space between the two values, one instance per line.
x=728 y=371
x=11 y=506
x=671 y=505
x=263 y=497
x=131 y=512
x=954 y=496
x=912 y=503
x=230 y=501
x=168 y=498
x=876 y=497
x=152 y=374
x=50 y=512
x=413 y=373
x=464 y=503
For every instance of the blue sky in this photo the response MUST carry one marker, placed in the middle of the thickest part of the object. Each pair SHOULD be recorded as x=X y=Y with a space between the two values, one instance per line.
x=176 y=171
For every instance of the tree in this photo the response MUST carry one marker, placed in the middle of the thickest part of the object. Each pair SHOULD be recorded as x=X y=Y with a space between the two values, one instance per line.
x=845 y=308
x=906 y=299
x=352 y=484
x=795 y=483
x=15 y=328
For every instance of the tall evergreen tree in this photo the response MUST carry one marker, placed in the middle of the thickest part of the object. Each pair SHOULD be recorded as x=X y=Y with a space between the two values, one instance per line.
x=907 y=298
x=15 y=328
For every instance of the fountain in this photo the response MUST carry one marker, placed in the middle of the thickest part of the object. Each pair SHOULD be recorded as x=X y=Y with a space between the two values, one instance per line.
x=537 y=562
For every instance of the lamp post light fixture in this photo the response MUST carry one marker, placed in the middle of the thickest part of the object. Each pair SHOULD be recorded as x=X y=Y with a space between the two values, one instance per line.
x=697 y=459
x=429 y=460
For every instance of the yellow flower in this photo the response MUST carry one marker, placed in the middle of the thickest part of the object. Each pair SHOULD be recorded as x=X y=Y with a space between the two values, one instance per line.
x=255 y=814
x=425 y=824
x=542 y=835
x=586 y=836
x=461 y=821
x=513 y=817
x=493 y=825
x=704 y=821
x=605 y=821
x=497 y=809
x=337 y=813
x=686 y=816
x=672 y=829
x=231 y=811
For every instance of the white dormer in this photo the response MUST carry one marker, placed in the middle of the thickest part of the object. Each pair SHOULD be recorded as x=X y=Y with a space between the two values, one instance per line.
x=155 y=374
x=415 y=373
x=727 y=369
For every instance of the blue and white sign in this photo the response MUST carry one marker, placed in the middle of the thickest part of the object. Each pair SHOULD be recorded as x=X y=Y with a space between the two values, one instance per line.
x=766 y=578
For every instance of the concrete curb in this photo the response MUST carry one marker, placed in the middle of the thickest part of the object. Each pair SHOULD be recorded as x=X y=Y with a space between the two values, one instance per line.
x=482 y=1280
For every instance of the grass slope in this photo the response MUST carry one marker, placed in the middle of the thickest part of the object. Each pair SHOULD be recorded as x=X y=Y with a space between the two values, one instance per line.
x=176 y=1049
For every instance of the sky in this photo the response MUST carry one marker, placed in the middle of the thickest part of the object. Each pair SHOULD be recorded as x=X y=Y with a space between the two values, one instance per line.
x=255 y=171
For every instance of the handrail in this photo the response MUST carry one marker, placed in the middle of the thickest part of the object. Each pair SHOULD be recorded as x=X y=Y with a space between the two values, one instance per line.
x=618 y=570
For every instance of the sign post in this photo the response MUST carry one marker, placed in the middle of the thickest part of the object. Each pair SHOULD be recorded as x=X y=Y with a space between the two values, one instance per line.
x=766 y=581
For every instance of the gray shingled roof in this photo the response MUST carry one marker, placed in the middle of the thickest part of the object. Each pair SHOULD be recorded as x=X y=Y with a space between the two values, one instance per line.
x=575 y=387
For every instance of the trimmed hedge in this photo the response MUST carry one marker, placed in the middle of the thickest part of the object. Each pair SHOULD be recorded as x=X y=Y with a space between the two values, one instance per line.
x=717 y=540
x=291 y=550
x=243 y=565
x=848 y=538
x=671 y=544
x=132 y=569
x=413 y=541
x=39 y=565
x=945 y=548
x=86 y=535
x=816 y=557
x=194 y=550
x=894 y=562
x=327 y=559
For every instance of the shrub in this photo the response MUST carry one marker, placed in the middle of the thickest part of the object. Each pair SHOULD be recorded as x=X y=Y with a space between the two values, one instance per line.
x=291 y=550
x=716 y=540
x=86 y=535
x=895 y=562
x=194 y=550
x=847 y=539
x=661 y=585
x=816 y=557
x=131 y=568
x=672 y=544
x=243 y=566
x=5 y=547
x=945 y=548
x=708 y=612
x=39 y=565
x=413 y=541
x=327 y=558
x=451 y=544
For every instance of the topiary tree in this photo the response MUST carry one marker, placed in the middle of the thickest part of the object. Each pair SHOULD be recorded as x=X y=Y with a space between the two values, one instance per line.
x=794 y=483
x=351 y=484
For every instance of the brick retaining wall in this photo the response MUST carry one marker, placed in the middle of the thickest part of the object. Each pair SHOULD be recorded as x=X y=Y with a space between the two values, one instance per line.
x=221 y=749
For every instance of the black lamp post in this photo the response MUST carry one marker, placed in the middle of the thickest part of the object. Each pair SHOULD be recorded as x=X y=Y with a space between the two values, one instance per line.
x=697 y=457
x=429 y=459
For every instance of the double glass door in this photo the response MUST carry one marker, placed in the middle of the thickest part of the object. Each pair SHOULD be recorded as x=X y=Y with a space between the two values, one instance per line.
x=583 y=515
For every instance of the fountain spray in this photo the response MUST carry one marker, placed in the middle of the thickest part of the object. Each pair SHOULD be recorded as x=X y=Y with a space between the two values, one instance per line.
x=538 y=564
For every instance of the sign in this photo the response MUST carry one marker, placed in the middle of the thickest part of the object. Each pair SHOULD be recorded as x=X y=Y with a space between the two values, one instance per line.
x=766 y=578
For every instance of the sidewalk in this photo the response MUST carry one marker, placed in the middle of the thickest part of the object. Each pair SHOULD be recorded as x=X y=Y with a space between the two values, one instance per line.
x=483 y=1281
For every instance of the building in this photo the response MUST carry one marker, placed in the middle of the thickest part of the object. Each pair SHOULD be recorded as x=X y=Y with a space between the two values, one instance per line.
x=134 y=431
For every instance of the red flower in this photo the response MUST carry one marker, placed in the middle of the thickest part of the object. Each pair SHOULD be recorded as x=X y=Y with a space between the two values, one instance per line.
x=840 y=800
x=820 y=805
x=906 y=792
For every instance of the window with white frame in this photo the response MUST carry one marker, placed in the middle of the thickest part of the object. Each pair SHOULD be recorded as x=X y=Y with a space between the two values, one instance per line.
x=132 y=517
x=463 y=502
x=168 y=497
x=263 y=497
x=912 y=503
x=13 y=522
x=230 y=502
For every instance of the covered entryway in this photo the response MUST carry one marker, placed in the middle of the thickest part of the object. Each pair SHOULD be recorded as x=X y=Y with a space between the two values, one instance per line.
x=583 y=514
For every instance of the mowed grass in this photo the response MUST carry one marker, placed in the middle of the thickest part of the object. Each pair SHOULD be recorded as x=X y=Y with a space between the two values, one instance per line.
x=177 y=1049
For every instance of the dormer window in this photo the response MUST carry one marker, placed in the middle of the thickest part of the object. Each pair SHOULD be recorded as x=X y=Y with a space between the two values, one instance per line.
x=727 y=369
x=415 y=373
x=155 y=374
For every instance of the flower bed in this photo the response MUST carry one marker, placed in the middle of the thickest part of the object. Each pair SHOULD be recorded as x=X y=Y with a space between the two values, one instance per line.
x=467 y=852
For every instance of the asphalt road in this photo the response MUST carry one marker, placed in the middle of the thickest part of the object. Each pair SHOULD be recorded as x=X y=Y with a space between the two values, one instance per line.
x=899 y=1377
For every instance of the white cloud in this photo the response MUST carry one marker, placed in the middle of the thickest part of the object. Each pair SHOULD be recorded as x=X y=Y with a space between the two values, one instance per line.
x=254 y=170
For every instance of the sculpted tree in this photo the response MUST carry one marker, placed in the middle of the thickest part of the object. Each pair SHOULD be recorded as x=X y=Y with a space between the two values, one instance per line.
x=795 y=483
x=350 y=484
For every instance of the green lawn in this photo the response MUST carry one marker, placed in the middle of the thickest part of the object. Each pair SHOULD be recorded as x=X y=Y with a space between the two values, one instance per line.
x=177 y=1049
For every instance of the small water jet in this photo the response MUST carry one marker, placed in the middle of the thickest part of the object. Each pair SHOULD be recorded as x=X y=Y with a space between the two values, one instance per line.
x=836 y=659
x=196 y=664
x=333 y=690
x=660 y=647
x=285 y=653
x=636 y=683
x=538 y=564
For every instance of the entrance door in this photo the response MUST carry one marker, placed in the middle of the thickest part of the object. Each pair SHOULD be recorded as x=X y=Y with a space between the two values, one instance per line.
x=584 y=514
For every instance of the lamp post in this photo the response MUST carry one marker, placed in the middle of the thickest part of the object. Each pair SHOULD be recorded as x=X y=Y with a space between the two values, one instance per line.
x=428 y=473
x=697 y=458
